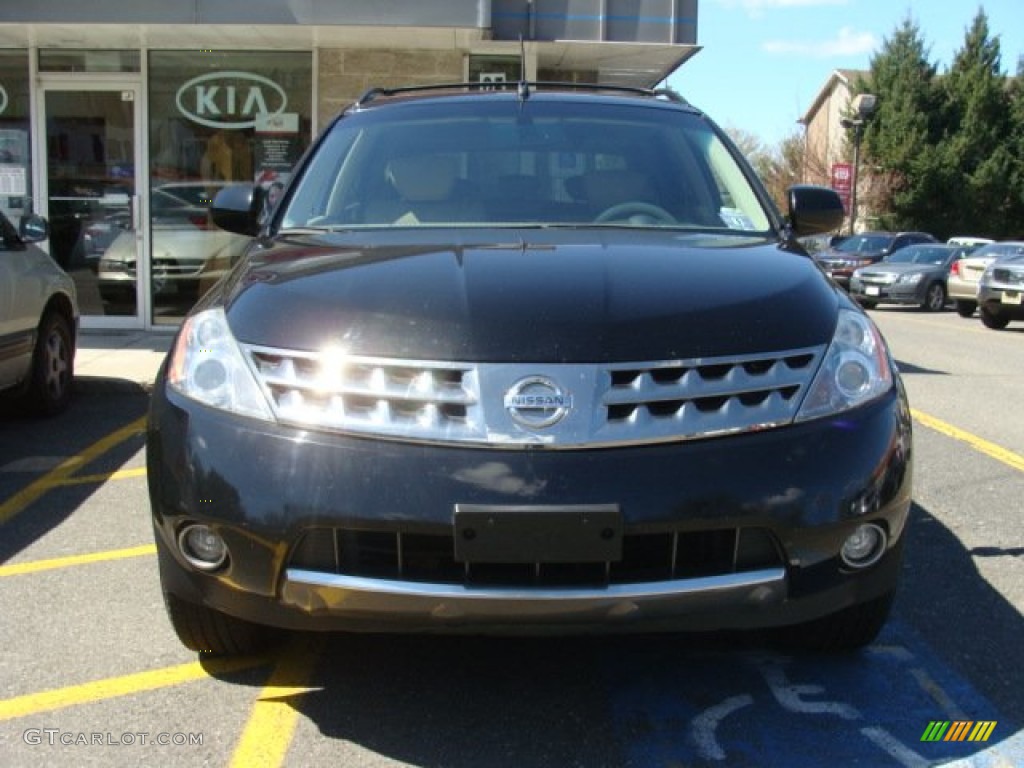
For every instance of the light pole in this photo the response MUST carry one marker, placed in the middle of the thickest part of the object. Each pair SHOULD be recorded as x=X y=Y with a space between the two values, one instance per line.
x=863 y=107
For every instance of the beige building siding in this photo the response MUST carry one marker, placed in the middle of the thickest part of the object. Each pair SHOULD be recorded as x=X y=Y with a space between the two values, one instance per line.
x=344 y=75
x=824 y=134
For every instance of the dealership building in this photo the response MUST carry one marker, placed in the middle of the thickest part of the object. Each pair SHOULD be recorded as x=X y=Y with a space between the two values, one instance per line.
x=119 y=122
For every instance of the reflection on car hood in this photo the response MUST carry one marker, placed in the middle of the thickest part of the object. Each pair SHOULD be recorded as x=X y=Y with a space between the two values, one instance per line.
x=540 y=295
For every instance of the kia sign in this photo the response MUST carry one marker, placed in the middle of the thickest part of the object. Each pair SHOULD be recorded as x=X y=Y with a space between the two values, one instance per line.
x=842 y=182
x=3 y=100
x=230 y=100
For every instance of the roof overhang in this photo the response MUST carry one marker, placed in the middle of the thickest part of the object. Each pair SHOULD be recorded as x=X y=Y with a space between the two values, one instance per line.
x=636 y=64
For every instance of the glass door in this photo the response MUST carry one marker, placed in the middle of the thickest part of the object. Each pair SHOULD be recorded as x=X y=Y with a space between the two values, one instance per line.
x=91 y=193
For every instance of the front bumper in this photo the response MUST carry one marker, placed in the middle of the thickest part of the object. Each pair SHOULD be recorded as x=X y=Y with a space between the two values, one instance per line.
x=888 y=293
x=1003 y=300
x=271 y=490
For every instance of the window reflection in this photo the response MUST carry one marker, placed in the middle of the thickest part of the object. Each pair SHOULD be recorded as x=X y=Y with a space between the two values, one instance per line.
x=226 y=117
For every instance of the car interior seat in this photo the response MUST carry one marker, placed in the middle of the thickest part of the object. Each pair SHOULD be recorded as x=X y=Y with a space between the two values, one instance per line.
x=605 y=189
x=426 y=189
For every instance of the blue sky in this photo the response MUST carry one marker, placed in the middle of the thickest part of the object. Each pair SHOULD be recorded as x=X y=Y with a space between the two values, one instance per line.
x=764 y=61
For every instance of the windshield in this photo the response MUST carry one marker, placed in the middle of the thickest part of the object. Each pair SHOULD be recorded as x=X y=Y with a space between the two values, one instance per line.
x=497 y=162
x=864 y=244
x=999 y=250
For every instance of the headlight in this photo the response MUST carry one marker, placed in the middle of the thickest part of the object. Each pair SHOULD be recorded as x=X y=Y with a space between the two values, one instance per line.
x=855 y=369
x=911 y=278
x=207 y=365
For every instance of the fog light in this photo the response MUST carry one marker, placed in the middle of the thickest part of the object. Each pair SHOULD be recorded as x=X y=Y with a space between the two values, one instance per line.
x=202 y=547
x=864 y=546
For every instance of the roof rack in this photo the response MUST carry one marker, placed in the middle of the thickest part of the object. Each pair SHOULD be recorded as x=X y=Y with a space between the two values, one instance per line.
x=667 y=93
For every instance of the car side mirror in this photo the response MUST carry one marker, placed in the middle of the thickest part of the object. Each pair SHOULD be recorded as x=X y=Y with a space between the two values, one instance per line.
x=237 y=208
x=33 y=228
x=814 y=209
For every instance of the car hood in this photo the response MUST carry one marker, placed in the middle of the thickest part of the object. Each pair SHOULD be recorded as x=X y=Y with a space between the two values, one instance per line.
x=541 y=296
x=900 y=268
x=834 y=255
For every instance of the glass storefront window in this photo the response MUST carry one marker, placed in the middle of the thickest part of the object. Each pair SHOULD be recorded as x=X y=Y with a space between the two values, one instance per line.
x=15 y=133
x=59 y=60
x=215 y=118
x=494 y=69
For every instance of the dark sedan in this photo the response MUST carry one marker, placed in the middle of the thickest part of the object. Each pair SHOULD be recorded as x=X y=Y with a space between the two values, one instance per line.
x=913 y=275
x=864 y=249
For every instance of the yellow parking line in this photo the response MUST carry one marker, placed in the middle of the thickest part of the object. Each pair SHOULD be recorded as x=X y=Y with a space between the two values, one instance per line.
x=268 y=734
x=57 y=476
x=121 y=474
x=997 y=452
x=112 y=687
x=18 y=569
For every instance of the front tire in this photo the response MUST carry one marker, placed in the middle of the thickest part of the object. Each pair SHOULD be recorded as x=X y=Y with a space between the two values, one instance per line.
x=53 y=365
x=213 y=633
x=992 y=320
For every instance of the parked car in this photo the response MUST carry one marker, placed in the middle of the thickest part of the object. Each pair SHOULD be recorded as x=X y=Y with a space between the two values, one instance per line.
x=38 y=319
x=180 y=254
x=965 y=273
x=915 y=275
x=182 y=241
x=1000 y=291
x=969 y=240
x=526 y=360
x=864 y=249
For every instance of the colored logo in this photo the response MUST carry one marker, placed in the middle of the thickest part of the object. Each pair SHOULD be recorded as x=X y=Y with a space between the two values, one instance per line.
x=958 y=730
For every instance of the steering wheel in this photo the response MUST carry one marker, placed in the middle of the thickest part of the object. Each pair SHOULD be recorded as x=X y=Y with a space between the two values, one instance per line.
x=636 y=208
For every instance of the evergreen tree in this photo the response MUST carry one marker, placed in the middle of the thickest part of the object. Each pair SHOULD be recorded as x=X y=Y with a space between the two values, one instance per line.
x=1015 y=206
x=899 y=147
x=978 y=160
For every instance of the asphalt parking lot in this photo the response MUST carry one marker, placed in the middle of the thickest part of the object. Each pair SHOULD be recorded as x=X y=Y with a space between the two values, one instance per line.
x=91 y=673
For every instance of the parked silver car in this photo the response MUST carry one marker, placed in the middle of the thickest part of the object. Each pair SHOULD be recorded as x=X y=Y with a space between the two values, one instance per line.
x=1001 y=291
x=38 y=318
x=913 y=275
x=965 y=273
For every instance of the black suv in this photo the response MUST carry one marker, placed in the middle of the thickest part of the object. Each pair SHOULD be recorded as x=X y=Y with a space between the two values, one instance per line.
x=864 y=249
x=543 y=359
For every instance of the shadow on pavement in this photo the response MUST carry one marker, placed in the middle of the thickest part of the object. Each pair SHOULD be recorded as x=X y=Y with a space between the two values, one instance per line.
x=948 y=652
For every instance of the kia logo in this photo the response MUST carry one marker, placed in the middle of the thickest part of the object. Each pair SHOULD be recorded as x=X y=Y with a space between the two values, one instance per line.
x=3 y=100
x=230 y=99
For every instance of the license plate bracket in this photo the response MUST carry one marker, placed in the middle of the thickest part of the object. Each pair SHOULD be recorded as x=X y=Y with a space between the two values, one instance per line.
x=589 y=533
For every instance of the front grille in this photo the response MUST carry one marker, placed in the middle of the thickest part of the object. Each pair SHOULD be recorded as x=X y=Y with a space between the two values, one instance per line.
x=877 y=278
x=613 y=404
x=429 y=558
x=396 y=398
x=163 y=267
x=705 y=398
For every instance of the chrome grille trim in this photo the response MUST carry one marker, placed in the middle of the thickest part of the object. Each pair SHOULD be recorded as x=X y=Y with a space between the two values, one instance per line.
x=392 y=398
x=708 y=397
x=613 y=404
